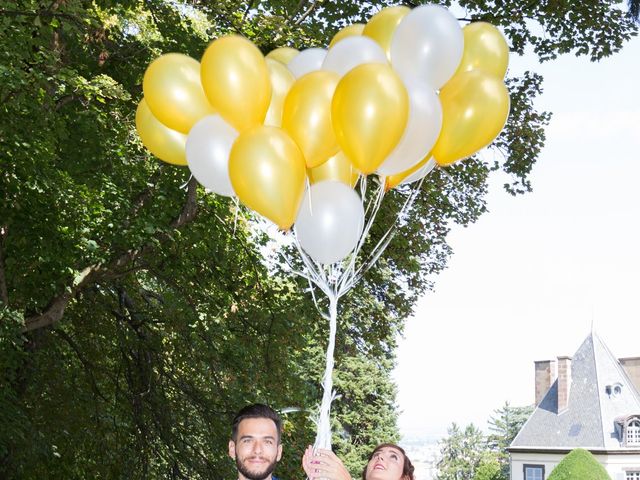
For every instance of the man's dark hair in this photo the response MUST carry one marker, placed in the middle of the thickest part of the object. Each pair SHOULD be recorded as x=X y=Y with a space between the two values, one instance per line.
x=257 y=410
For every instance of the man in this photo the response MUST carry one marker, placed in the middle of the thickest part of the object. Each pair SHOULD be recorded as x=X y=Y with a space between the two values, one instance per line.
x=255 y=442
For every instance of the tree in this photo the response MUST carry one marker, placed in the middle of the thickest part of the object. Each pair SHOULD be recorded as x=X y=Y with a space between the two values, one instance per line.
x=468 y=454
x=136 y=314
x=462 y=452
x=634 y=9
x=504 y=425
x=489 y=469
x=579 y=464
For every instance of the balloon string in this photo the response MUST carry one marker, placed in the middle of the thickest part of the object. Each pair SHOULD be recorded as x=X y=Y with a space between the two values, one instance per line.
x=185 y=185
x=323 y=437
x=367 y=212
x=310 y=200
x=372 y=210
x=294 y=270
x=389 y=234
x=315 y=302
x=336 y=280
x=363 y=187
x=445 y=173
x=236 y=212
x=314 y=270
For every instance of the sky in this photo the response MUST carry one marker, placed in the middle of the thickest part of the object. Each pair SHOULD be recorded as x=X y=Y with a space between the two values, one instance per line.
x=530 y=278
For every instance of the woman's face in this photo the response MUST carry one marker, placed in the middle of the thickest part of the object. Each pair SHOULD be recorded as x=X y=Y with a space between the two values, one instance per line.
x=386 y=464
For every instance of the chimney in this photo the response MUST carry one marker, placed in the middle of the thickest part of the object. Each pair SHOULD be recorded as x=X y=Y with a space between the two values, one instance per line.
x=564 y=382
x=631 y=365
x=544 y=378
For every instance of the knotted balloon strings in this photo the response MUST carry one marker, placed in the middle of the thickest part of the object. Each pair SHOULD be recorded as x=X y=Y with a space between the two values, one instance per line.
x=335 y=280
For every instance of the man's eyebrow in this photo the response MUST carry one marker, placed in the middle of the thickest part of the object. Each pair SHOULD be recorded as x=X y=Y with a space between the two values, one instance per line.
x=257 y=436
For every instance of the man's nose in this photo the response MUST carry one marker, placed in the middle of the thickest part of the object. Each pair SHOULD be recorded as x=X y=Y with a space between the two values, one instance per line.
x=257 y=447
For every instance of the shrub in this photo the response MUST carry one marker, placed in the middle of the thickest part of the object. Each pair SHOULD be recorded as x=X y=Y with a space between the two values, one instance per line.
x=579 y=464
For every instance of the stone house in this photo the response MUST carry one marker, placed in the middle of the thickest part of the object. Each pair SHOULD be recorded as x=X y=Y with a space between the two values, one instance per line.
x=590 y=401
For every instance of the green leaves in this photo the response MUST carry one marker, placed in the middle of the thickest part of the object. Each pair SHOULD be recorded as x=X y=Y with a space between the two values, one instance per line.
x=579 y=464
x=552 y=28
x=467 y=453
x=462 y=452
x=157 y=317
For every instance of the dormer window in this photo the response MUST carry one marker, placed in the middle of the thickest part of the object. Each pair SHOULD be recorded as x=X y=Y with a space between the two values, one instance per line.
x=632 y=432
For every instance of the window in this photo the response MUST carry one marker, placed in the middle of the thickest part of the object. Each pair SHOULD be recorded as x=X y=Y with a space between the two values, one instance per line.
x=613 y=390
x=633 y=433
x=635 y=475
x=533 y=472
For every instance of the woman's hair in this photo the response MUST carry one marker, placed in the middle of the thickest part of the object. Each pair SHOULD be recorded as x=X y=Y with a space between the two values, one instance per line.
x=407 y=467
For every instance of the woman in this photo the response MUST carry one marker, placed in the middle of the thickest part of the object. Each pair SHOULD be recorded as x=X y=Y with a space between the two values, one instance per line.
x=386 y=462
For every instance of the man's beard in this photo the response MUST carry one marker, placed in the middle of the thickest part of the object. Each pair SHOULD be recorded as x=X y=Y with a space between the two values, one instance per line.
x=259 y=475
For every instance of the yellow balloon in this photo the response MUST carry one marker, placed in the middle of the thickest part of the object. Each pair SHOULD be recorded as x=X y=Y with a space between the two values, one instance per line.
x=173 y=91
x=267 y=172
x=349 y=31
x=283 y=54
x=369 y=113
x=281 y=81
x=475 y=107
x=337 y=168
x=235 y=78
x=382 y=25
x=307 y=116
x=485 y=48
x=392 y=181
x=166 y=144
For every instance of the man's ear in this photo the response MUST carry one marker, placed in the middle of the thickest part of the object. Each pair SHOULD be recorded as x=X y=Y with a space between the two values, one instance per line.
x=232 y=449
x=279 y=453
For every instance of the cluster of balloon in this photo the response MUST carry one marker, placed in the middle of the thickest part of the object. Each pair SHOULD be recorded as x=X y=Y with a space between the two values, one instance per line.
x=291 y=134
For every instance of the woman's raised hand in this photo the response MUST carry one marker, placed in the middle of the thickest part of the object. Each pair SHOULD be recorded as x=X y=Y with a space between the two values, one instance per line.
x=323 y=464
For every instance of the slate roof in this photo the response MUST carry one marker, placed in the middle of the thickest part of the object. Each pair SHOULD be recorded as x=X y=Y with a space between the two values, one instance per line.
x=589 y=419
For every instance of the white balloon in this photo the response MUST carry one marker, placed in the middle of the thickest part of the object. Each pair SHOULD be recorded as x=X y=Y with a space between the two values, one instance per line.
x=306 y=61
x=422 y=130
x=427 y=45
x=208 y=145
x=421 y=172
x=330 y=221
x=352 y=51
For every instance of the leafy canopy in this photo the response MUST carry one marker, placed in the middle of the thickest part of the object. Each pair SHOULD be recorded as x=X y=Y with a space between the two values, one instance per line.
x=136 y=314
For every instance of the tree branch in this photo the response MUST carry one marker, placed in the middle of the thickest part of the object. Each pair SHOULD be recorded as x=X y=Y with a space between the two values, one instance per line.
x=295 y=12
x=250 y=5
x=65 y=100
x=306 y=13
x=143 y=197
x=92 y=274
x=43 y=13
x=4 y=292
x=85 y=363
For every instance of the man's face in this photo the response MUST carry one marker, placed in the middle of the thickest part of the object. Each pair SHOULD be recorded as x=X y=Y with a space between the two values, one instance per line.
x=256 y=449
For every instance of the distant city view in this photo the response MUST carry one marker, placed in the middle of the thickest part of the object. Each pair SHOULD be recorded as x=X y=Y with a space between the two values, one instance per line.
x=423 y=452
